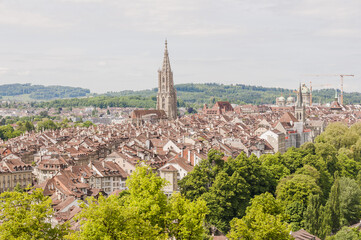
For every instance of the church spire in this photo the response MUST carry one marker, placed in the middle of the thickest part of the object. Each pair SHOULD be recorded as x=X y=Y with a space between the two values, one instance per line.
x=299 y=97
x=300 y=108
x=167 y=94
x=166 y=62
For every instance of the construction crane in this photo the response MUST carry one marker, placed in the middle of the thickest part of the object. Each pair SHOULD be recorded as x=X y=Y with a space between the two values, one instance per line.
x=333 y=75
x=343 y=75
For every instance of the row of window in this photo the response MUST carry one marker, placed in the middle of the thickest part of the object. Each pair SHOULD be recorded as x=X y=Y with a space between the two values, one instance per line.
x=16 y=177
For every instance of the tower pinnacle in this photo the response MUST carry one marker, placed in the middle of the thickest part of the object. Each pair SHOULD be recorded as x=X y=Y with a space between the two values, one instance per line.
x=167 y=95
x=300 y=110
x=299 y=97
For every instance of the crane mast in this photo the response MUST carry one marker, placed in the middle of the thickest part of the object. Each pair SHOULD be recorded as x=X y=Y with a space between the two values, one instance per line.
x=341 y=75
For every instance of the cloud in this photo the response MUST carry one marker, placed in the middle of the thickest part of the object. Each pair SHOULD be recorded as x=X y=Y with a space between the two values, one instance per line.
x=340 y=32
x=17 y=17
x=83 y=1
x=3 y=70
x=174 y=17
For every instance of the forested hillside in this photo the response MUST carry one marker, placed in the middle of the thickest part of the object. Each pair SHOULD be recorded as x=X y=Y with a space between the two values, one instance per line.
x=40 y=92
x=195 y=95
x=239 y=94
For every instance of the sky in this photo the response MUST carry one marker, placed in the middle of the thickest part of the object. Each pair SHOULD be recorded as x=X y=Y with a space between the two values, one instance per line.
x=115 y=45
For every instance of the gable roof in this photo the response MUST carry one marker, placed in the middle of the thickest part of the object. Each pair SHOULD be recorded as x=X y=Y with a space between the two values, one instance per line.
x=288 y=117
x=303 y=235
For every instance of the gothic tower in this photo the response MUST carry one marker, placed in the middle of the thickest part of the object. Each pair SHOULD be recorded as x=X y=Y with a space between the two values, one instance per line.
x=300 y=110
x=167 y=95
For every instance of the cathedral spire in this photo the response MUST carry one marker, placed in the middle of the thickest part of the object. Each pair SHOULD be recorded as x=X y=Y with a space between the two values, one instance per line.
x=166 y=62
x=167 y=94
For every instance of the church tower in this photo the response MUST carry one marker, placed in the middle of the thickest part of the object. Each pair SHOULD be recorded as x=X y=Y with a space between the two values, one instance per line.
x=167 y=95
x=300 y=110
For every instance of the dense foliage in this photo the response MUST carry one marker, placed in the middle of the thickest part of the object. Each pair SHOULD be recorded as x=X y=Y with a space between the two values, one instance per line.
x=101 y=102
x=28 y=216
x=143 y=212
x=41 y=92
x=11 y=127
x=316 y=187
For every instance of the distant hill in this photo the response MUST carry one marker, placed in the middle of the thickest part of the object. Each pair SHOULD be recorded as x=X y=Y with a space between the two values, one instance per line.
x=40 y=92
x=195 y=95
x=239 y=94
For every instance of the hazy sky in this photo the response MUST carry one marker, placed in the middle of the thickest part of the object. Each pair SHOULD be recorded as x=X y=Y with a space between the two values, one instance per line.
x=113 y=45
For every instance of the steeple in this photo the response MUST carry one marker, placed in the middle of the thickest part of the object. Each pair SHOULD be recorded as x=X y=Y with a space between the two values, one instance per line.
x=300 y=110
x=299 y=97
x=167 y=95
x=166 y=62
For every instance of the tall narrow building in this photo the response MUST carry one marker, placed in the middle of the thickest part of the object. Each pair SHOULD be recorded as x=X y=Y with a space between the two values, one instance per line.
x=300 y=110
x=167 y=95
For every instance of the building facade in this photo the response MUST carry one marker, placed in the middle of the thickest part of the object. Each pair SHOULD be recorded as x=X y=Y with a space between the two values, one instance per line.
x=167 y=95
x=15 y=172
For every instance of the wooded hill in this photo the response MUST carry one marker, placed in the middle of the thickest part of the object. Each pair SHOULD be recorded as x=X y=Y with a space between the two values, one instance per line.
x=238 y=94
x=40 y=92
x=189 y=95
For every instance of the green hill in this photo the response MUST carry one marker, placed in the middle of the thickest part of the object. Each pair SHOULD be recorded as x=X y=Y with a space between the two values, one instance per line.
x=239 y=94
x=39 y=92
x=195 y=95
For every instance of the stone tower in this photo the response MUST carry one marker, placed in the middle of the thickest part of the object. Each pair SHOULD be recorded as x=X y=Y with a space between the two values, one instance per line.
x=167 y=95
x=300 y=110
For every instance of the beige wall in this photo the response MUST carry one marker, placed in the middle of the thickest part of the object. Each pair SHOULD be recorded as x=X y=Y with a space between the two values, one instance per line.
x=9 y=180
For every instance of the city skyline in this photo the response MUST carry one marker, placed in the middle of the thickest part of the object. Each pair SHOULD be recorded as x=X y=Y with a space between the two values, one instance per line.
x=118 y=45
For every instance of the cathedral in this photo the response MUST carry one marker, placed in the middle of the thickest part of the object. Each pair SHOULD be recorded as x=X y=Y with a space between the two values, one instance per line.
x=167 y=95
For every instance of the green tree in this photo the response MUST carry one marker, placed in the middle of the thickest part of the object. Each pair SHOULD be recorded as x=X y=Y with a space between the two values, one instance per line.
x=144 y=212
x=185 y=218
x=257 y=175
x=104 y=218
x=297 y=187
x=18 y=188
x=198 y=181
x=343 y=206
x=227 y=198
x=346 y=233
x=29 y=126
x=46 y=124
x=44 y=114
x=28 y=216
x=313 y=215
x=274 y=165
x=295 y=211
x=87 y=124
x=264 y=220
